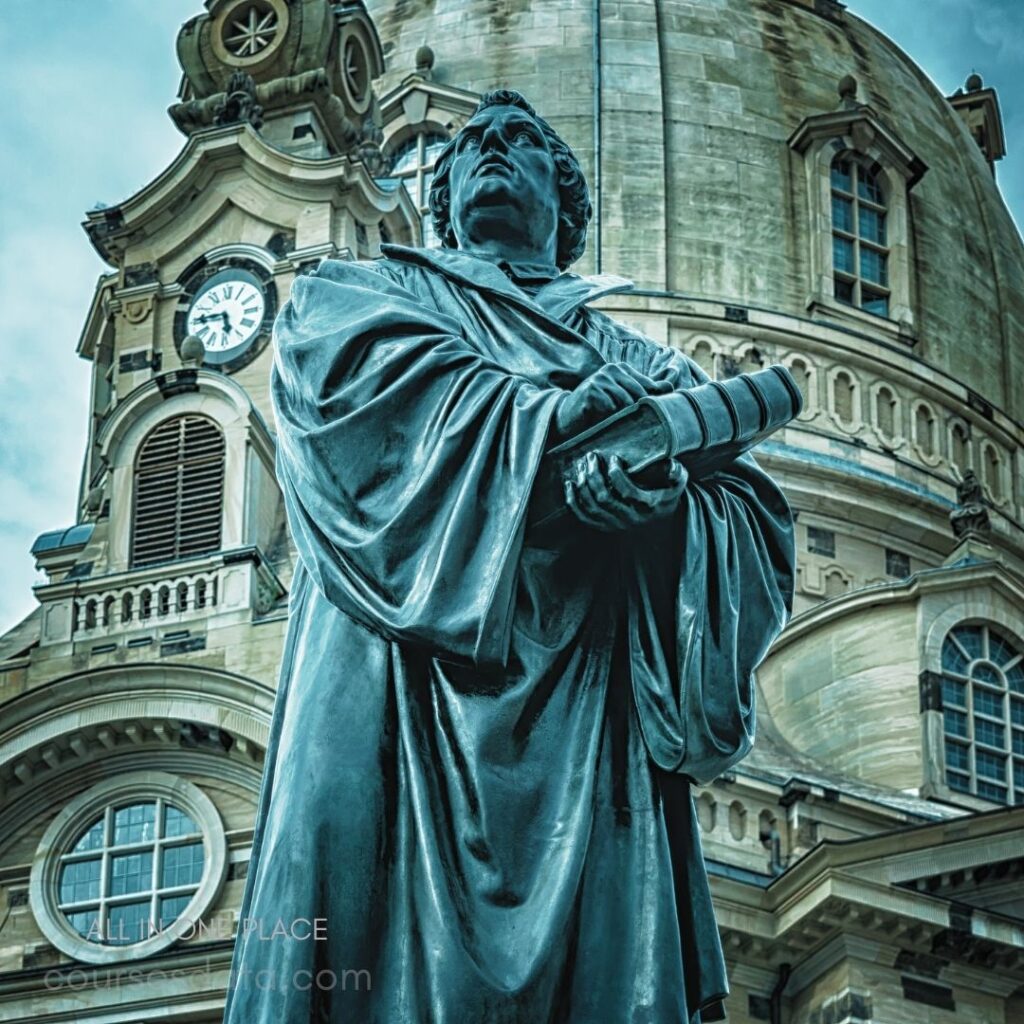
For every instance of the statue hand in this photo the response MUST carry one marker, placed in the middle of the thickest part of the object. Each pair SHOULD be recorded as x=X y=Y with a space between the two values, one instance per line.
x=613 y=387
x=606 y=499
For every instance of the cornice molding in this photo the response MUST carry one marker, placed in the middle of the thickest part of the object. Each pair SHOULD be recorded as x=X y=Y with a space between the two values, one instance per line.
x=214 y=151
x=993 y=574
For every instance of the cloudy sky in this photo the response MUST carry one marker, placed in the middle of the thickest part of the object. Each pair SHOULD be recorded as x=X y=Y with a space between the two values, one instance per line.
x=85 y=88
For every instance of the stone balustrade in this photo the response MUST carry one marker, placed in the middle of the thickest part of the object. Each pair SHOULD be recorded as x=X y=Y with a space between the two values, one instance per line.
x=102 y=608
x=177 y=598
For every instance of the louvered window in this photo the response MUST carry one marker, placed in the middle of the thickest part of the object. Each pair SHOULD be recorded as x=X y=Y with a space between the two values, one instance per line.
x=179 y=491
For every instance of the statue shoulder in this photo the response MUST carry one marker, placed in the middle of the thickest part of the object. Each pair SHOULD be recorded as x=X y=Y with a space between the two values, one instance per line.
x=348 y=271
x=620 y=342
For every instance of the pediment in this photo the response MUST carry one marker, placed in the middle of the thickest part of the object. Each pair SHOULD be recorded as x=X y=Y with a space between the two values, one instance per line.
x=858 y=127
x=418 y=100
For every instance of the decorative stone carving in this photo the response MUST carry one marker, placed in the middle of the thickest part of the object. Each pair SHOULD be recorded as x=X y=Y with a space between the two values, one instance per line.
x=970 y=517
x=369 y=148
x=239 y=105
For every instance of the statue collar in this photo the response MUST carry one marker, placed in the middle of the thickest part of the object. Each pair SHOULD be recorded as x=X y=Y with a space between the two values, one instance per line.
x=557 y=298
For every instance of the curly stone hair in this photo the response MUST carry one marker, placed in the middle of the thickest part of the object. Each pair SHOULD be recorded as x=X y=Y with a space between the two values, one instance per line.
x=574 y=196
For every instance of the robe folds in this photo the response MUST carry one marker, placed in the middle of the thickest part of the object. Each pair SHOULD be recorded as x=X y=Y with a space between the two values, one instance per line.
x=478 y=772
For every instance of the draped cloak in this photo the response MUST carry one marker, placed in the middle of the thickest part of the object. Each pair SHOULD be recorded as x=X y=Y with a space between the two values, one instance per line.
x=479 y=765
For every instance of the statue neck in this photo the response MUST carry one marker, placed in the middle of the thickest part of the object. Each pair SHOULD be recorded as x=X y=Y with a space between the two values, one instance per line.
x=530 y=266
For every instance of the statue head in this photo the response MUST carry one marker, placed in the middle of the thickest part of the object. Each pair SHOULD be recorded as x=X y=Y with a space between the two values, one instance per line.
x=508 y=176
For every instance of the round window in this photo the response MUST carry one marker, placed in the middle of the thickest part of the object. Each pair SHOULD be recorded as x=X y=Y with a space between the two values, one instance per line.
x=128 y=867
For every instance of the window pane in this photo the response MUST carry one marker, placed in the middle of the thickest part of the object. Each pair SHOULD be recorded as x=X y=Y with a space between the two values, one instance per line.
x=955 y=722
x=988 y=703
x=871 y=225
x=1018 y=775
x=178 y=823
x=961 y=783
x=127 y=923
x=873 y=266
x=842 y=254
x=991 y=792
x=842 y=213
x=1017 y=711
x=987 y=674
x=999 y=649
x=134 y=824
x=821 y=541
x=1018 y=742
x=953 y=659
x=841 y=175
x=969 y=638
x=405 y=157
x=92 y=838
x=875 y=302
x=897 y=563
x=432 y=148
x=844 y=291
x=87 y=924
x=991 y=766
x=989 y=733
x=183 y=865
x=1015 y=677
x=171 y=908
x=131 y=872
x=868 y=187
x=956 y=756
x=80 y=880
x=954 y=692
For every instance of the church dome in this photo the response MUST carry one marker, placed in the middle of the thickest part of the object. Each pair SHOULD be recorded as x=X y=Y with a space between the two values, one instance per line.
x=701 y=191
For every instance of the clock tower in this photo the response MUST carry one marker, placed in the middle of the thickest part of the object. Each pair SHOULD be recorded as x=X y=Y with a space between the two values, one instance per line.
x=143 y=702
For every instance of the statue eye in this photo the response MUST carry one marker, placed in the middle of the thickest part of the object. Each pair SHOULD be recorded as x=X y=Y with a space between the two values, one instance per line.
x=523 y=138
x=470 y=141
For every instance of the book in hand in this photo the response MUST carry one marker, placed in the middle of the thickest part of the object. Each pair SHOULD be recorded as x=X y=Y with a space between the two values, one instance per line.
x=705 y=427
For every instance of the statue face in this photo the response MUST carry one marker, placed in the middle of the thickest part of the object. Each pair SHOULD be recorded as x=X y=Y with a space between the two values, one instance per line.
x=504 y=183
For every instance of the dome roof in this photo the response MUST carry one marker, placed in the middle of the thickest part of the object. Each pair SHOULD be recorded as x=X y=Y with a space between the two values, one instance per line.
x=700 y=193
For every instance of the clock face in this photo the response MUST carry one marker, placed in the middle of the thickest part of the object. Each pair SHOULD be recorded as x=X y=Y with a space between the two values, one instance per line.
x=227 y=313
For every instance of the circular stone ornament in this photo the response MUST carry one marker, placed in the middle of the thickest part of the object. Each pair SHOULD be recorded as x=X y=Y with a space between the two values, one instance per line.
x=354 y=71
x=247 y=32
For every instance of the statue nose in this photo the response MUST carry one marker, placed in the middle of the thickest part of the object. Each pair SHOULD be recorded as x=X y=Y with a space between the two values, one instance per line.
x=493 y=138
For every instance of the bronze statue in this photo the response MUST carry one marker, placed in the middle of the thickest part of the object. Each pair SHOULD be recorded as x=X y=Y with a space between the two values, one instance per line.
x=478 y=774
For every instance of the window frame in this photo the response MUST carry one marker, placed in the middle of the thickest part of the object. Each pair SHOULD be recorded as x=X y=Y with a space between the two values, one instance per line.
x=81 y=812
x=420 y=174
x=856 y=131
x=969 y=741
x=858 y=171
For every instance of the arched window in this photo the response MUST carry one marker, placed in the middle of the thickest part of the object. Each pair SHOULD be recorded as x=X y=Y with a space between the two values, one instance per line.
x=860 y=253
x=983 y=713
x=179 y=491
x=413 y=162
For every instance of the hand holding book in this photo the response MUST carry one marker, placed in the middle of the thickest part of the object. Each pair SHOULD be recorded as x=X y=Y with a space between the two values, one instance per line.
x=705 y=428
x=614 y=387
x=603 y=495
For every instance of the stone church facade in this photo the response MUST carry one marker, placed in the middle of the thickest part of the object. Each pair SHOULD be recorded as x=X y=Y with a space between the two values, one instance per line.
x=784 y=185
